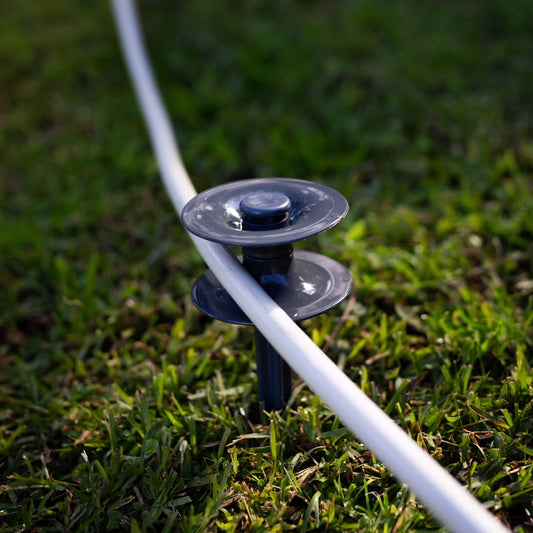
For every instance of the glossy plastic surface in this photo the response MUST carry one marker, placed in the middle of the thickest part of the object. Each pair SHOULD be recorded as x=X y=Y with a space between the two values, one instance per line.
x=312 y=284
x=265 y=204
x=217 y=215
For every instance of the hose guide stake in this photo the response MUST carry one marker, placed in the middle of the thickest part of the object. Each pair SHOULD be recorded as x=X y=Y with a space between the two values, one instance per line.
x=264 y=216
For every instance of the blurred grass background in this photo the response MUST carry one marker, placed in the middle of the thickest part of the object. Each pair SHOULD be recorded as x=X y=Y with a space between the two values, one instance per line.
x=121 y=406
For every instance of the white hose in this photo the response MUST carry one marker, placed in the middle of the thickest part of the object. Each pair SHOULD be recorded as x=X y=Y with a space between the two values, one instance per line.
x=451 y=503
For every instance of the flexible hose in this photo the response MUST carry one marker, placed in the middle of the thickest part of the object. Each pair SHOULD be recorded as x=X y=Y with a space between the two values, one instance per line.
x=450 y=502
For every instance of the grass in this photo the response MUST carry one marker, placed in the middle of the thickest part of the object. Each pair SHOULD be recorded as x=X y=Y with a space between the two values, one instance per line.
x=121 y=406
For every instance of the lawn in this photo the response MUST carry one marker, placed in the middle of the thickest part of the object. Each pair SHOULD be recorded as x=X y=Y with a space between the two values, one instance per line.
x=122 y=407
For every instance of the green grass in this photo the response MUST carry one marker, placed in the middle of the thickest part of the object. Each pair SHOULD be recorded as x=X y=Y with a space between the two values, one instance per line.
x=121 y=406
